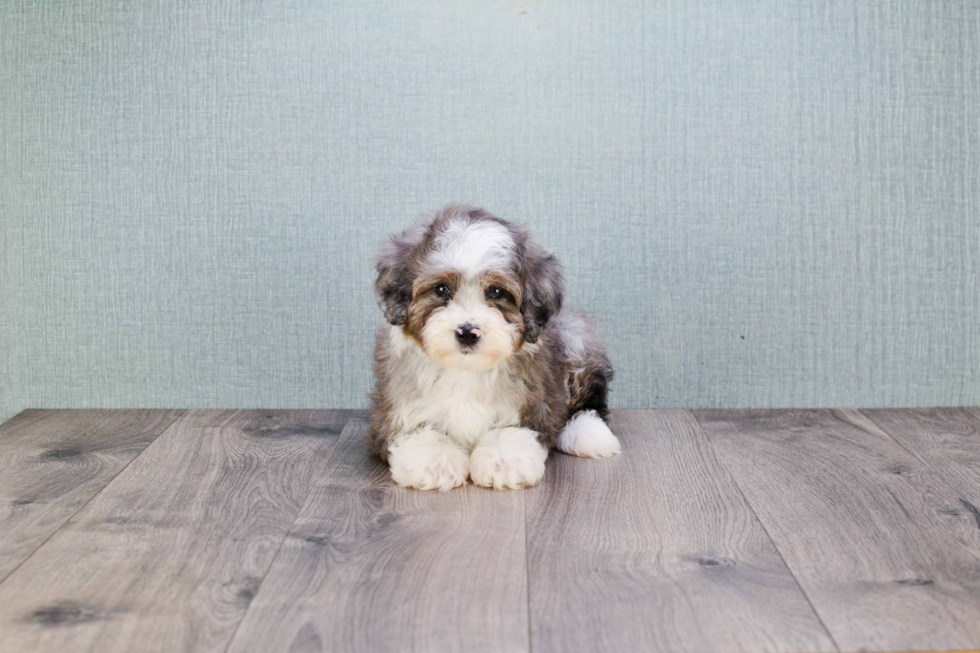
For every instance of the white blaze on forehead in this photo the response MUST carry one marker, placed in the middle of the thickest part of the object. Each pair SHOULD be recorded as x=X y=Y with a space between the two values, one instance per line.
x=473 y=247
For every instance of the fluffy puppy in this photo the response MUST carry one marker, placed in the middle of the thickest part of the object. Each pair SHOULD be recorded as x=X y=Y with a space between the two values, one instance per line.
x=479 y=372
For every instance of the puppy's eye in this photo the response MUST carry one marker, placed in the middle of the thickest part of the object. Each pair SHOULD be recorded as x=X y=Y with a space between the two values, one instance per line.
x=494 y=292
x=442 y=290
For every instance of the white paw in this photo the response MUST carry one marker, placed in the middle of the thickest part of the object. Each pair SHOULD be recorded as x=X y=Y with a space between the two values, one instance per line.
x=427 y=460
x=508 y=458
x=586 y=435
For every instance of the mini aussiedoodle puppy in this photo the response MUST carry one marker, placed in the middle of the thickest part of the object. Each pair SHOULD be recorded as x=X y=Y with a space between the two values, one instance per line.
x=479 y=371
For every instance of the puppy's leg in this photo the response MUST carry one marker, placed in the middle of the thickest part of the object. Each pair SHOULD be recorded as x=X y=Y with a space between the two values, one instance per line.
x=427 y=460
x=508 y=458
x=587 y=435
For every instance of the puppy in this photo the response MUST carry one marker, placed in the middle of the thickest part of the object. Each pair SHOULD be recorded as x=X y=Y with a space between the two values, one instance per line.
x=479 y=372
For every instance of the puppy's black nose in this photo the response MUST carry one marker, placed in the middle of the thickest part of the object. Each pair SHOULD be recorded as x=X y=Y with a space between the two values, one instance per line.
x=467 y=335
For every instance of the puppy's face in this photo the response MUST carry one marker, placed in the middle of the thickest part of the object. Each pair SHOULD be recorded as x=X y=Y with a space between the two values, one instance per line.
x=468 y=288
x=466 y=321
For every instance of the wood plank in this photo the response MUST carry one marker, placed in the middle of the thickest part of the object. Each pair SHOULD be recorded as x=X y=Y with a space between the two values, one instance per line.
x=947 y=440
x=370 y=566
x=54 y=461
x=657 y=550
x=879 y=543
x=169 y=555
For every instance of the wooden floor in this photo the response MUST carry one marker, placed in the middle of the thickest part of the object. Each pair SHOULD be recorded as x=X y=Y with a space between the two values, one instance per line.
x=156 y=530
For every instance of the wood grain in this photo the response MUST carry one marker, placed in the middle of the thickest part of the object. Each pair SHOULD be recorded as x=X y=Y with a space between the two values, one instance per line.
x=53 y=461
x=947 y=440
x=370 y=566
x=878 y=541
x=169 y=555
x=656 y=550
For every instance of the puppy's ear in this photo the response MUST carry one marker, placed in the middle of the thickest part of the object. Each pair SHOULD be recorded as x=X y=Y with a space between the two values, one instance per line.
x=393 y=287
x=543 y=289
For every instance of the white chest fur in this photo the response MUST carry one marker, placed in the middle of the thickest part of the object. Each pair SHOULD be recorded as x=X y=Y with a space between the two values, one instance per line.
x=462 y=404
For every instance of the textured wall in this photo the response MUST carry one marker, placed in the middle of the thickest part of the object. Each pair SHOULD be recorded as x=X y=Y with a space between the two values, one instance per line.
x=767 y=203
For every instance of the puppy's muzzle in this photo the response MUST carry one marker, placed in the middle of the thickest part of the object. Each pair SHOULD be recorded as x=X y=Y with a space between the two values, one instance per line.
x=467 y=335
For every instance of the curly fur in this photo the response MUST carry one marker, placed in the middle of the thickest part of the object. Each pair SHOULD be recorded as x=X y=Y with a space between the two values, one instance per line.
x=503 y=402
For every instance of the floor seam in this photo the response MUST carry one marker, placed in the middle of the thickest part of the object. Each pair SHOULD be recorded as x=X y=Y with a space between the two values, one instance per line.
x=180 y=413
x=919 y=458
x=924 y=461
x=896 y=441
x=765 y=530
x=258 y=588
x=527 y=577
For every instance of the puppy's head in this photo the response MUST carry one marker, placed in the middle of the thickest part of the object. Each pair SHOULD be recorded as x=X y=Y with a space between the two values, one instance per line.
x=469 y=288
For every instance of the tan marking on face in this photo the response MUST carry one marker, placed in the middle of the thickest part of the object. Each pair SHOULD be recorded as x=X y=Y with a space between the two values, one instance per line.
x=511 y=307
x=426 y=282
x=507 y=282
x=425 y=301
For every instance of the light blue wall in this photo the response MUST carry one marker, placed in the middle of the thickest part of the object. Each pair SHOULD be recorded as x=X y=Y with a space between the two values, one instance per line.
x=767 y=203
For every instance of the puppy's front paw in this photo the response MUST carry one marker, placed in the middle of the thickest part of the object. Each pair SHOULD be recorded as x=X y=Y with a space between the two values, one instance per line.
x=427 y=460
x=508 y=458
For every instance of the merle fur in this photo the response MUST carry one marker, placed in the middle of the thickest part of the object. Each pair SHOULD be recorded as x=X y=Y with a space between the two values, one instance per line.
x=557 y=385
